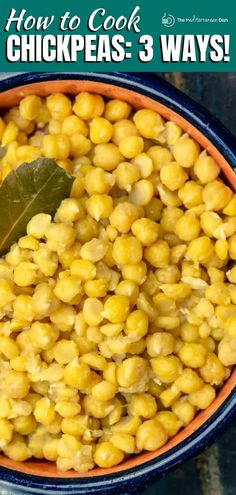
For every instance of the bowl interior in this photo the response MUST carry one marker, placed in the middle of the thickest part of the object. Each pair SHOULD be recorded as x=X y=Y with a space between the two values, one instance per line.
x=12 y=97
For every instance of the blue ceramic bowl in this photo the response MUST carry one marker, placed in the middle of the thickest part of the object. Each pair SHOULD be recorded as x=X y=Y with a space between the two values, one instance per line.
x=133 y=475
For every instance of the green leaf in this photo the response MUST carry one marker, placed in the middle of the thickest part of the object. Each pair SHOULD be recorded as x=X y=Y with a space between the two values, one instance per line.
x=37 y=187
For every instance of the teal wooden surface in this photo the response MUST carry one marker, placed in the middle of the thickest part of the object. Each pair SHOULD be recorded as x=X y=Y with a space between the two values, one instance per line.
x=213 y=472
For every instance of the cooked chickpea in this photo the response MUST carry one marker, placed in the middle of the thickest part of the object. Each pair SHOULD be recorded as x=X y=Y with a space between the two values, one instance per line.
x=159 y=156
x=69 y=211
x=77 y=374
x=101 y=130
x=126 y=174
x=131 y=371
x=136 y=324
x=151 y=435
x=135 y=273
x=122 y=129
x=127 y=250
x=145 y=230
x=191 y=194
x=218 y=293
x=168 y=274
x=173 y=176
x=124 y=441
x=123 y=216
x=131 y=146
x=17 y=384
x=30 y=107
x=88 y=106
x=107 y=156
x=227 y=351
x=188 y=332
x=79 y=145
x=92 y=311
x=116 y=308
x=169 y=396
x=83 y=269
x=203 y=397
x=232 y=247
x=149 y=123
x=193 y=354
x=128 y=288
x=200 y=250
x=170 y=215
x=169 y=422
x=93 y=250
x=213 y=371
x=168 y=198
x=158 y=254
x=64 y=351
x=167 y=368
x=187 y=227
x=210 y=221
x=97 y=181
x=143 y=405
x=229 y=325
x=57 y=146
x=172 y=132
x=99 y=206
x=230 y=209
x=183 y=410
x=142 y=192
x=108 y=455
x=118 y=314
x=206 y=169
x=143 y=164
x=25 y=274
x=117 y=110
x=104 y=390
x=186 y=151
x=72 y=124
x=160 y=344
x=189 y=381
x=216 y=195
x=59 y=106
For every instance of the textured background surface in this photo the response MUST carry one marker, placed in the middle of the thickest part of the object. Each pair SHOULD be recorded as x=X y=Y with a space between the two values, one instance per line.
x=213 y=472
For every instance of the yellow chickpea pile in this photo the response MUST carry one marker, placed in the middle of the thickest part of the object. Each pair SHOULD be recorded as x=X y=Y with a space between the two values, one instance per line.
x=118 y=316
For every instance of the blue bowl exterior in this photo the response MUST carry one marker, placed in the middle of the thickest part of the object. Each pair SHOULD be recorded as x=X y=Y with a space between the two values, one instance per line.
x=136 y=479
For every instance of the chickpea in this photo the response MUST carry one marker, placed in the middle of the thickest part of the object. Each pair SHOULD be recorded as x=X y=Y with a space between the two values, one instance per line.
x=151 y=435
x=187 y=227
x=173 y=176
x=206 y=169
x=191 y=194
x=117 y=110
x=186 y=151
x=108 y=455
x=122 y=129
x=118 y=313
x=107 y=156
x=158 y=254
x=159 y=156
x=101 y=130
x=88 y=106
x=216 y=195
x=126 y=175
x=149 y=123
x=131 y=146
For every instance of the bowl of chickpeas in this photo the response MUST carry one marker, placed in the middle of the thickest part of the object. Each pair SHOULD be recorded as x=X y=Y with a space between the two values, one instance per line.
x=118 y=313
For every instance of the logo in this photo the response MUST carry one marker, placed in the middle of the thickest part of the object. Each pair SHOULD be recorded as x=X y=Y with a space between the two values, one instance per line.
x=168 y=20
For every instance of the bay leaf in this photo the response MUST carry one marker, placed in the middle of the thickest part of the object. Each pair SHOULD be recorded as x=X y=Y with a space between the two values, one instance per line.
x=36 y=187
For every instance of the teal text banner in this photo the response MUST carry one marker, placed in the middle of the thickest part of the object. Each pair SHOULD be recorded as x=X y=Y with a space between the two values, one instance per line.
x=131 y=36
